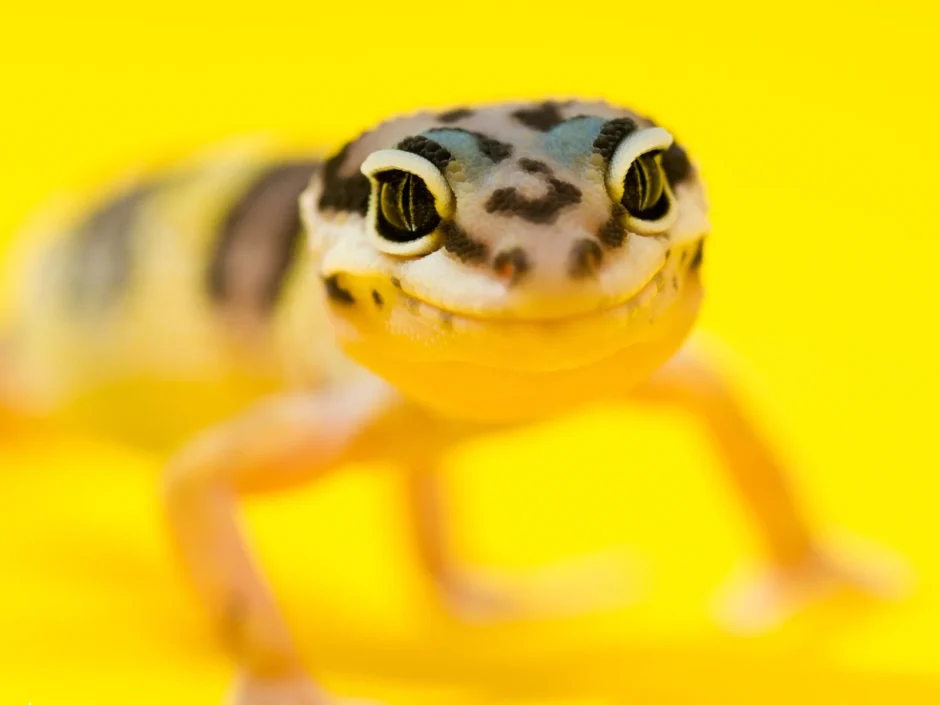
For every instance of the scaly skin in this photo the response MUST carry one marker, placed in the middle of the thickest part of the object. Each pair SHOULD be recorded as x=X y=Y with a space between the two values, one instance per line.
x=481 y=267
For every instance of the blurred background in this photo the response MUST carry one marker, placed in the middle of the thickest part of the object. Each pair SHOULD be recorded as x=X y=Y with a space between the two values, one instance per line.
x=816 y=127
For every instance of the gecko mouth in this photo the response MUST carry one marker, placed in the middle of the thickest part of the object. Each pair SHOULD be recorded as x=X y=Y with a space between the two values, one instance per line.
x=613 y=307
x=391 y=299
x=412 y=330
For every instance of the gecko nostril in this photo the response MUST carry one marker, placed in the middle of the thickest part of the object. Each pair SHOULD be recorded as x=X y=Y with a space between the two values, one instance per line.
x=510 y=265
x=585 y=258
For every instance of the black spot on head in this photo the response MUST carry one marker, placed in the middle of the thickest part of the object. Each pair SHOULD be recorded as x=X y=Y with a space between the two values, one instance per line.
x=344 y=193
x=534 y=166
x=612 y=233
x=697 y=256
x=585 y=258
x=435 y=153
x=511 y=264
x=377 y=298
x=509 y=202
x=490 y=147
x=461 y=245
x=676 y=164
x=611 y=135
x=454 y=115
x=396 y=282
x=542 y=117
x=336 y=292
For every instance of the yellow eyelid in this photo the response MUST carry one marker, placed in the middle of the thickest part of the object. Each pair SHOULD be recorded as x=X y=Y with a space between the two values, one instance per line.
x=395 y=159
x=630 y=148
x=398 y=160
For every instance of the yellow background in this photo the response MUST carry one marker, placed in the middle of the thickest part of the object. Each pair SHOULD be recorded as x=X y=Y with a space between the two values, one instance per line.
x=816 y=126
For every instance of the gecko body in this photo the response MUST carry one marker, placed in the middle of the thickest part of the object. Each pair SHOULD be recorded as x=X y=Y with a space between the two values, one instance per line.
x=441 y=274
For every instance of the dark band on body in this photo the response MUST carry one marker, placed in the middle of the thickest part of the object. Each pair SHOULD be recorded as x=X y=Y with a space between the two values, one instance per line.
x=100 y=257
x=258 y=240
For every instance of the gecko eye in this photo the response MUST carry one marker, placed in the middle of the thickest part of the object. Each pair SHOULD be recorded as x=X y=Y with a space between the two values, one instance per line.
x=406 y=207
x=643 y=186
x=636 y=179
x=409 y=198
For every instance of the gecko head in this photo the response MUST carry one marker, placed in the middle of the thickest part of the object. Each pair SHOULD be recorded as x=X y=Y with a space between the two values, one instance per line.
x=514 y=257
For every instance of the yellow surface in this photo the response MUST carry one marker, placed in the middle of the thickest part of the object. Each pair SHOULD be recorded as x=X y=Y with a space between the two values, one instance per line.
x=816 y=125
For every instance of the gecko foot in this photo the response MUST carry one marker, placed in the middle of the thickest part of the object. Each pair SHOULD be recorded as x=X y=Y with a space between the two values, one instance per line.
x=478 y=597
x=593 y=584
x=760 y=603
x=288 y=690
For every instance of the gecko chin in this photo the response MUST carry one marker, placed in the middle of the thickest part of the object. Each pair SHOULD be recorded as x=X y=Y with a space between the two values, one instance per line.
x=499 y=369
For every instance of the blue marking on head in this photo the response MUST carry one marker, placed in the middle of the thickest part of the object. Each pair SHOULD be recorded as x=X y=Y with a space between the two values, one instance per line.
x=571 y=142
x=461 y=144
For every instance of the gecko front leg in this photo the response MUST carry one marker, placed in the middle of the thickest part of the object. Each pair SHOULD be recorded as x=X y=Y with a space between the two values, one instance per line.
x=800 y=567
x=476 y=595
x=279 y=444
x=464 y=593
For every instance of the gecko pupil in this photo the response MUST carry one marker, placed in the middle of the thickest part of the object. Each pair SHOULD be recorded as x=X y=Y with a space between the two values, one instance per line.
x=644 y=185
x=406 y=207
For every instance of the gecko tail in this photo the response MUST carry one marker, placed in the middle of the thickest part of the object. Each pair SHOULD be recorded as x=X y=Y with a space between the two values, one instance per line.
x=11 y=415
x=16 y=422
x=6 y=373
